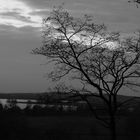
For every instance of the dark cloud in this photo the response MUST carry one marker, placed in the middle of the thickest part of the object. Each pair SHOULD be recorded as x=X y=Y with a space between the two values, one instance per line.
x=17 y=16
x=110 y=12
x=38 y=3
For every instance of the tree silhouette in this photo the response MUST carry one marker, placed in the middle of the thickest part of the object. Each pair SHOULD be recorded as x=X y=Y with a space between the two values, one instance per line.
x=137 y=2
x=11 y=103
x=103 y=62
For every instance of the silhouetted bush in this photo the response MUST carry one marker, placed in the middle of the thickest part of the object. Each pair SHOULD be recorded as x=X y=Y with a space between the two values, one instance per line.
x=37 y=110
x=1 y=107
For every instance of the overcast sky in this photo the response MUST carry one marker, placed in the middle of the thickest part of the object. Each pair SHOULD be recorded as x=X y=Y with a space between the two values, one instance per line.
x=20 y=22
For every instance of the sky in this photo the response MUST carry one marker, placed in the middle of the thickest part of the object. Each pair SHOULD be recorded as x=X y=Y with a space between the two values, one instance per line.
x=20 y=32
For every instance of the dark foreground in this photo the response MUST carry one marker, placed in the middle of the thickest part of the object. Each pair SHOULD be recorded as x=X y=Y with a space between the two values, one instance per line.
x=64 y=127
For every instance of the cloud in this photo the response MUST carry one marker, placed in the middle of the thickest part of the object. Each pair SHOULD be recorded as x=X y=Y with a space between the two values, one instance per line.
x=40 y=4
x=18 y=14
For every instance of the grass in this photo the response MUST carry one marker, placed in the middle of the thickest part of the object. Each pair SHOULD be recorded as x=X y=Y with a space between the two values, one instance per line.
x=64 y=127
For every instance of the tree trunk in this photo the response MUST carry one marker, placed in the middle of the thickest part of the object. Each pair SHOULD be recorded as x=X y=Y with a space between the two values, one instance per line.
x=113 y=128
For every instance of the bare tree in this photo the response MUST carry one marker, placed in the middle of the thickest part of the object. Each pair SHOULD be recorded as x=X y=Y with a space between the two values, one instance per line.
x=103 y=62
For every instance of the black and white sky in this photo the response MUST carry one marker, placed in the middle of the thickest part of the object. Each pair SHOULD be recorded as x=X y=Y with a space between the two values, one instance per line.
x=20 y=32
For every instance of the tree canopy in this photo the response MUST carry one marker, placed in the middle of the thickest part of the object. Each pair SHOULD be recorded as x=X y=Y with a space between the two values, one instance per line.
x=102 y=61
x=98 y=58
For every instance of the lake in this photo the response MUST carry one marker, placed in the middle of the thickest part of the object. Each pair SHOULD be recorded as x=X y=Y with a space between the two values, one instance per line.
x=21 y=102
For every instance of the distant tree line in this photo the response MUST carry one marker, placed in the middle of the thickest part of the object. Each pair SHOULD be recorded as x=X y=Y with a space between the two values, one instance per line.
x=40 y=109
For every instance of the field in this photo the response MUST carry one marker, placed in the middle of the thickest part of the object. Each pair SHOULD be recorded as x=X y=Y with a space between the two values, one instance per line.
x=35 y=124
x=19 y=127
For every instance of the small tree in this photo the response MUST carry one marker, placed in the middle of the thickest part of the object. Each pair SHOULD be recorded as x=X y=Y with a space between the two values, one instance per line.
x=103 y=62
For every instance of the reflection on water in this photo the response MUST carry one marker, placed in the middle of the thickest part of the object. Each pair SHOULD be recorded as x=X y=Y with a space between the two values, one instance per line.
x=22 y=105
x=3 y=101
